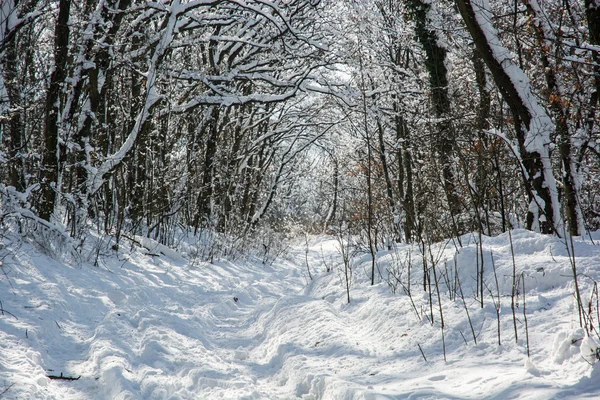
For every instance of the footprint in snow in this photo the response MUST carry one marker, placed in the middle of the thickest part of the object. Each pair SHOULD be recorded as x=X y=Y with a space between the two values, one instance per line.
x=437 y=378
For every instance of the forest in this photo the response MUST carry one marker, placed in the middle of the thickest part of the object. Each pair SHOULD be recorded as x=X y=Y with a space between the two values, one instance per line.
x=396 y=120
x=187 y=186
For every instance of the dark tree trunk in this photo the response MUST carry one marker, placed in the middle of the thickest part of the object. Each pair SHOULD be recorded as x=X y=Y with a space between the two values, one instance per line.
x=592 y=13
x=140 y=154
x=233 y=178
x=438 y=81
x=14 y=139
x=481 y=147
x=49 y=171
x=203 y=205
x=98 y=93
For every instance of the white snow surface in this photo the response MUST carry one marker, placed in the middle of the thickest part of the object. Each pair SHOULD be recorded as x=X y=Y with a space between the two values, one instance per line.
x=156 y=326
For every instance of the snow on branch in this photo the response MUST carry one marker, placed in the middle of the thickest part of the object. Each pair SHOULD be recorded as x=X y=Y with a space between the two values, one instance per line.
x=540 y=125
x=96 y=176
x=534 y=125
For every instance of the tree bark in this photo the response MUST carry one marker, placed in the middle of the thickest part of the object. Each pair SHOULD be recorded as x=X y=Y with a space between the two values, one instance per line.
x=438 y=81
x=203 y=205
x=14 y=139
x=49 y=170
x=592 y=13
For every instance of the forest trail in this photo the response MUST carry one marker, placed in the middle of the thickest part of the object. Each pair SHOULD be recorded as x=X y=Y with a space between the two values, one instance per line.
x=147 y=327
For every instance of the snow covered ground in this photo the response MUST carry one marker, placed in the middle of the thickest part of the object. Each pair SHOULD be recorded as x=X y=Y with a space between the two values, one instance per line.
x=143 y=326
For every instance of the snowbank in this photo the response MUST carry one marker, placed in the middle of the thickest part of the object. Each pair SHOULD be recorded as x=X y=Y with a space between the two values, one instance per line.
x=143 y=326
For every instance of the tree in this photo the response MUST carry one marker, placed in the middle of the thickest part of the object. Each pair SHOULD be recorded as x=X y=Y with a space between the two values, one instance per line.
x=531 y=123
x=49 y=174
x=15 y=17
x=438 y=80
x=125 y=78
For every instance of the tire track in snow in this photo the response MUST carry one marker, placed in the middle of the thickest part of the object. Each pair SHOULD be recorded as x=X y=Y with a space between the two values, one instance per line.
x=305 y=343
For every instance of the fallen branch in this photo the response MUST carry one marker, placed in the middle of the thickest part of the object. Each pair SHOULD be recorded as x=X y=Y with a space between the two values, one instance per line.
x=63 y=378
x=3 y=311
x=423 y=354
x=132 y=240
x=6 y=390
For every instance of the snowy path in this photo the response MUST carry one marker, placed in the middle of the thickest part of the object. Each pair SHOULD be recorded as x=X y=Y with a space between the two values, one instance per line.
x=144 y=328
x=158 y=328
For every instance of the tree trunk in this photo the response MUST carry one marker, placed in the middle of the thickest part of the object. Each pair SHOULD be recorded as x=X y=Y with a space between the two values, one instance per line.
x=334 y=202
x=405 y=178
x=592 y=13
x=14 y=139
x=481 y=147
x=386 y=174
x=203 y=205
x=560 y=108
x=438 y=81
x=371 y=240
x=537 y=174
x=49 y=170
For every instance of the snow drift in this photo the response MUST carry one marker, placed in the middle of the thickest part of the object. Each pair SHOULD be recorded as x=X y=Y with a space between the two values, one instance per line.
x=158 y=326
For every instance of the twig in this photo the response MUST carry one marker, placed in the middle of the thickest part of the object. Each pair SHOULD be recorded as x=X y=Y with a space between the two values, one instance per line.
x=498 y=304
x=6 y=390
x=462 y=296
x=525 y=314
x=306 y=257
x=6 y=275
x=437 y=289
x=423 y=354
x=2 y=311
x=463 y=336
x=132 y=240
x=572 y=260
x=514 y=286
